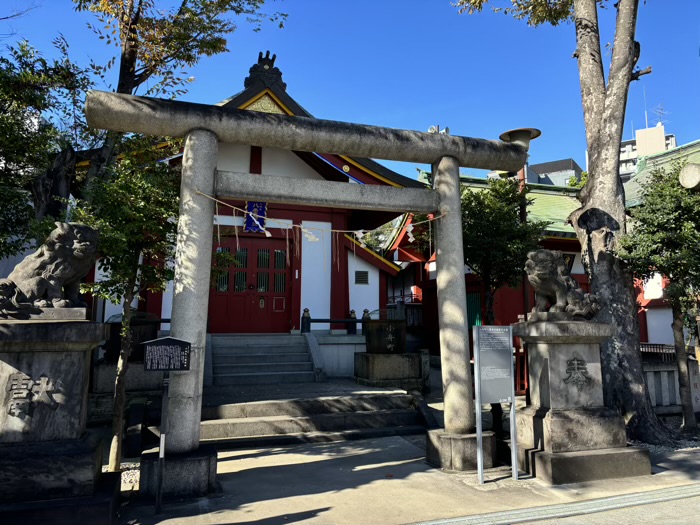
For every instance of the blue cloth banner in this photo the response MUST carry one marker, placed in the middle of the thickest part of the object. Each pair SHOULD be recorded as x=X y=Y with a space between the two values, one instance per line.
x=255 y=218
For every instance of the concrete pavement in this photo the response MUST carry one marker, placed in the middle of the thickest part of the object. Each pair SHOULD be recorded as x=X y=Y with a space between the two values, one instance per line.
x=387 y=481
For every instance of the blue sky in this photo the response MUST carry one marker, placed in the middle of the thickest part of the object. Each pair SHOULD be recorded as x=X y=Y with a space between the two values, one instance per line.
x=417 y=63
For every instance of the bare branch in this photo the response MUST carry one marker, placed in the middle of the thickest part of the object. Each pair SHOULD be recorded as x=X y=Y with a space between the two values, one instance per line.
x=641 y=72
x=17 y=14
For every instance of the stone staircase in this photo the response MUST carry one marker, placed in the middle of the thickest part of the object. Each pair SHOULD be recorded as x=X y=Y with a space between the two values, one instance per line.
x=260 y=359
x=264 y=394
x=320 y=419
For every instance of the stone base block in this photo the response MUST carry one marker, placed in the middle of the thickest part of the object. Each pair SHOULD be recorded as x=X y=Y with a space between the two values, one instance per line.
x=403 y=371
x=587 y=465
x=137 y=380
x=49 y=314
x=96 y=509
x=49 y=470
x=44 y=371
x=188 y=475
x=570 y=430
x=457 y=452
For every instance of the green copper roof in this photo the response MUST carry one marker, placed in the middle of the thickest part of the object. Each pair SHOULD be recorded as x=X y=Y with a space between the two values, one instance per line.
x=554 y=208
x=552 y=204
x=646 y=165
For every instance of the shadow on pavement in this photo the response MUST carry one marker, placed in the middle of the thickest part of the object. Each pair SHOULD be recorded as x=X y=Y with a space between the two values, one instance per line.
x=268 y=476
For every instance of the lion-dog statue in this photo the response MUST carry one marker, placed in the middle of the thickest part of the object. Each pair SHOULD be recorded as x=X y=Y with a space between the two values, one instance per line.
x=549 y=276
x=50 y=277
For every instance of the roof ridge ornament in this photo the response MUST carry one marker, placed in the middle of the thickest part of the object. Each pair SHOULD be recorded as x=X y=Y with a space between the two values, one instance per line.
x=265 y=72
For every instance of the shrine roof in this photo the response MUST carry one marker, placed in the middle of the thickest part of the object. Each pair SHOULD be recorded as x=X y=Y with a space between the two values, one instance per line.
x=265 y=91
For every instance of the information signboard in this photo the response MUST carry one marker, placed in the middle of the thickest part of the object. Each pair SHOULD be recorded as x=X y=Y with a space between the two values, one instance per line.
x=495 y=347
x=166 y=354
x=494 y=383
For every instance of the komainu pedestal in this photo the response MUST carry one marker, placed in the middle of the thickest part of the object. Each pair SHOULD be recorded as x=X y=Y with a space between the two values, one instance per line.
x=567 y=435
x=50 y=468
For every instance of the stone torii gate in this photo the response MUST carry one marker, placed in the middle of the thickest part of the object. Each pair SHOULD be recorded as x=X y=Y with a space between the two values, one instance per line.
x=204 y=126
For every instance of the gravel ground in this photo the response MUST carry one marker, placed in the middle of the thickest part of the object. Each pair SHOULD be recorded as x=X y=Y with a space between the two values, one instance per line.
x=130 y=476
x=680 y=445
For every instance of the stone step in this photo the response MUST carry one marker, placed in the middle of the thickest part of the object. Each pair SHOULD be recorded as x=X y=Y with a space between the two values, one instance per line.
x=314 y=437
x=272 y=425
x=261 y=368
x=252 y=339
x=263 y=379
x=257 y=349
x=307 y=407
x=241 y=359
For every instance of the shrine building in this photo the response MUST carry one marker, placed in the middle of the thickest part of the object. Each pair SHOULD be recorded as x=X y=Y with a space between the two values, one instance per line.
x=289 y=257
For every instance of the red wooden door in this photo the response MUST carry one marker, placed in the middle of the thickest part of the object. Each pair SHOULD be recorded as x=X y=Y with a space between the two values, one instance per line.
x=255 y=295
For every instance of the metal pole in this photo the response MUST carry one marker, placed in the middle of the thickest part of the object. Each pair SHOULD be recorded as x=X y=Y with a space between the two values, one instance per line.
x=513 y=429
x=306 y=321
x=163 y=431
x=352 y=327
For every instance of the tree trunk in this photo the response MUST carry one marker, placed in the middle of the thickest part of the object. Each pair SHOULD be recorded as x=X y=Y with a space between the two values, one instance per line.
x=489 y=317
x=689 y=423
x=51 y=189
x=601 y=218
x=115 y=449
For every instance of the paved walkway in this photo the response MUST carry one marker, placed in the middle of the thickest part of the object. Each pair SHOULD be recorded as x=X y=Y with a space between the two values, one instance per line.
x=386 y=481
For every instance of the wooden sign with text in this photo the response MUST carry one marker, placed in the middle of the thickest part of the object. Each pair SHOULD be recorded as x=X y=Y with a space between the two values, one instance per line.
x=166 y=354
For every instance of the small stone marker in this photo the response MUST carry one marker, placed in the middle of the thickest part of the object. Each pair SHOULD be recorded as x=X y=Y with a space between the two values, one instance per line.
x=166 y=354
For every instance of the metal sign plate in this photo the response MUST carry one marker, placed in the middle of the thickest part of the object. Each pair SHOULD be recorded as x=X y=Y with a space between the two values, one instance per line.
x=495 y=347
x=493 y=367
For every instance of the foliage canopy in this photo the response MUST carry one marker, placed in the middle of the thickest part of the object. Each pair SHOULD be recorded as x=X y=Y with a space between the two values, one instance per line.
x=664 y=238
x=665 y=235
x=534 y=12
x=496 y=239
x=135 y=210
x=36 y=120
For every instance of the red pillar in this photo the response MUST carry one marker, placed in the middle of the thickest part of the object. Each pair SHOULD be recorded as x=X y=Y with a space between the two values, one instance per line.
x=340 y=296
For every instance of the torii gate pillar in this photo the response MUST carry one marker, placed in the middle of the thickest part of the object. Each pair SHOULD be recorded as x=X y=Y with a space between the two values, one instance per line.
x=195 y=475
x=454 y=447
x=192 y=277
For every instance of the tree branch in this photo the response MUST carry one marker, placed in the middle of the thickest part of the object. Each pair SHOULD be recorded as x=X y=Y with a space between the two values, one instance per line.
x=590 y=64
x=625 y=48
x=641 y=72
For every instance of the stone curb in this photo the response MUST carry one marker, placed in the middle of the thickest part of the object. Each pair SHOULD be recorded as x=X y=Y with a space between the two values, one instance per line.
x=573 y=509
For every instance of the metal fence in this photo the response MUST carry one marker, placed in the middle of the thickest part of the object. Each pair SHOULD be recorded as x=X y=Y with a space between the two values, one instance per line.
x=655 y=353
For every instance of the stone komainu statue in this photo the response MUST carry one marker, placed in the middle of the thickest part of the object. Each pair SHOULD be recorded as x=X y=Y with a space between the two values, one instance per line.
x=51 y=276
x=549 y=276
